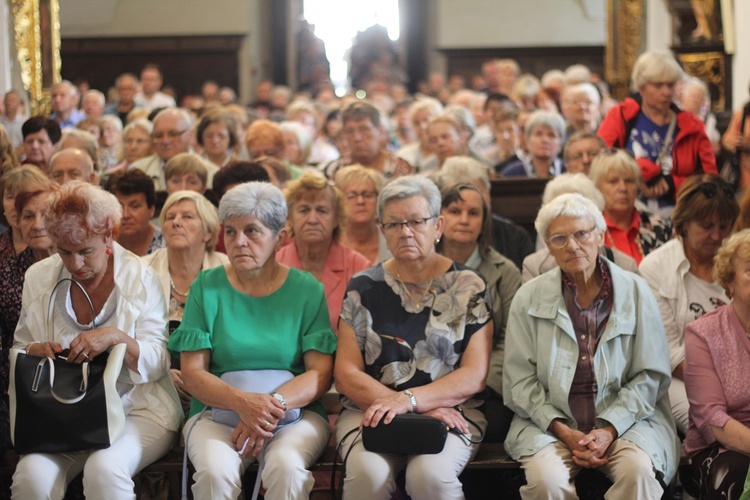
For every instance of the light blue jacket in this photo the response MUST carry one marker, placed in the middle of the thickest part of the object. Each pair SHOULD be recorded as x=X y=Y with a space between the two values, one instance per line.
x=631 y=366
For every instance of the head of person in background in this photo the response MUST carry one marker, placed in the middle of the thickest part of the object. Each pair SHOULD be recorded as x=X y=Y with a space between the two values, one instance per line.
x=464 y=118
x=151 y=80
x=80 y=139
x=445 y=138
x=8 y=158
x=508 y=72
x=265 y=138
x=580 y=150
x=361 y=187
x=505 y=129
x=227 y=96
x=127 y=86
x=524 y=91
x=72 y=164
x=630 y=229
x=64 y=102
x=419 y=153
x=216 y=133
x=545 y=135
x=237 y=173
x=477 y=107
x=111 y=137
x=186 y=171
x=23 y=178
x=135 y=192
x=93 y=103
x=172 y=132
x=297 y=142
x=553 y=79
x=91 y=125
x=281 y=95
x=278 y=171
x=577 y=73
x=13 y=103
x=136 y=143
x=210 y=91
x=29 y=206
x=694 y=97
x=364 y=132
x=40 y=138
x=580 y=107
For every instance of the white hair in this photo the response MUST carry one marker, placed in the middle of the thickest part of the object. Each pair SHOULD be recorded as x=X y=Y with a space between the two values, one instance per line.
x=261 y=200
x=582 y=88
x=463 y=169
x=304 y=137
x=655 y=66
x=573 y=183
x=409 y=186
x=568 y=205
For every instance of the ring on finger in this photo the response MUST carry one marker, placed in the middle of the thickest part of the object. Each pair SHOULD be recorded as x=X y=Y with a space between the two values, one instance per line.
x=266 y=424
x=86 y=356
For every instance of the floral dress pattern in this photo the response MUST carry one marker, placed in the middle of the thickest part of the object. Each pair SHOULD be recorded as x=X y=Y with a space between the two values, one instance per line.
x=406 y=344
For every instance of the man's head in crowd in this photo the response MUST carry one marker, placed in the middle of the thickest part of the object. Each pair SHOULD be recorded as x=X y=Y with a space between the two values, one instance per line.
x=127 y=86
x=72 y=164
x=13 y=103
x=580 y=151
x=172 y=132
x=93 y=103
x=40 y=135
x=151 y=79
x=363 y=131
x=64 y=99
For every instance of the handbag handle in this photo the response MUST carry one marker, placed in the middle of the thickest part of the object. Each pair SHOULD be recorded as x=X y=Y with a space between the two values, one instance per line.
x=68 y=401
x=50 y=309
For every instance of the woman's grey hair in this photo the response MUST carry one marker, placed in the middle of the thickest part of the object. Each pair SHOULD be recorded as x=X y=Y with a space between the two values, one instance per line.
x=693 y=82
x=140 y=123
x=577 y=73
x=582 y=88
x=457 y=169
x=407 y=187
x=462 y=116
x=568 y=205
x=206 y=211
x=573 y=183
x=655 y=66
x=304 y=137
x=551 y=119
x=112 y=120
x=261 y=200
x=425 y=103
x=620 y=161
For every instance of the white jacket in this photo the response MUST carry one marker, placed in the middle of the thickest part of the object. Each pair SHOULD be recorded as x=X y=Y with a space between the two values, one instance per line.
x=664 y=270
x=141 y=312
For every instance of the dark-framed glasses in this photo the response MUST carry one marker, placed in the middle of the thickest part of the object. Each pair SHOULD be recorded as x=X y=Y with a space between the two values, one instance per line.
x=414 y=225
x=559 y=241
x=366 y=195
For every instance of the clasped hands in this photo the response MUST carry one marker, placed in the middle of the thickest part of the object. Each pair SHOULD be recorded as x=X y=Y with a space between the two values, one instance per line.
x=259 y=417
x=85 y=347
x=398 y=403
x=589 y=450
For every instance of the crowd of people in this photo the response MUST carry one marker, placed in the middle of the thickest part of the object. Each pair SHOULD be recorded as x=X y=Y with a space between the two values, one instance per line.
x=351 y=242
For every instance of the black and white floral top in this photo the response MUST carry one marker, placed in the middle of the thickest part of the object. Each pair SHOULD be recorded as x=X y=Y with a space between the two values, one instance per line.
x=405 y=343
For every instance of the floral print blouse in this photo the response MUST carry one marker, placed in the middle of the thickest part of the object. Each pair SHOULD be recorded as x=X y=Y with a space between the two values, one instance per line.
x=407 y=340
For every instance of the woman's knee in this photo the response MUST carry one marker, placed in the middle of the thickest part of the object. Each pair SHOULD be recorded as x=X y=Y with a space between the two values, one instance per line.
x=546 y=475
x=36 y=477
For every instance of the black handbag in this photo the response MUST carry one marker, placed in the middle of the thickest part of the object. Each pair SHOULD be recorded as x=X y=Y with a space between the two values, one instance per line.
x=407 y=434
x=57 y=406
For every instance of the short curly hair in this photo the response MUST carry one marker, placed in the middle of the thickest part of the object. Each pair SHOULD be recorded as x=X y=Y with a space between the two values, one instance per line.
x=736 y=246
x=310 y=184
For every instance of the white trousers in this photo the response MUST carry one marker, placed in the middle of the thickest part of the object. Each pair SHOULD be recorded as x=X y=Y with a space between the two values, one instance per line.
x=550 y=473
x=219 y=468
x=680 y=406
x=107 y=474
x=428 y=477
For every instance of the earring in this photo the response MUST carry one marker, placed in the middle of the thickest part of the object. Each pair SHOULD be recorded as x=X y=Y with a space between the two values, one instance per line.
x=109 y=251
x=437 y=241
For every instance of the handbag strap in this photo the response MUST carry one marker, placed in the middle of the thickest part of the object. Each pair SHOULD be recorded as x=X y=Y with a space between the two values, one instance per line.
x=84 y=381
x=337 y=495
x=50 y=309
x=667 y=140
x=460 y=410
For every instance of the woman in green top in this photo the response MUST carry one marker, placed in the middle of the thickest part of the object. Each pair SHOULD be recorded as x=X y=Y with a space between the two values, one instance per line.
x=254 y=314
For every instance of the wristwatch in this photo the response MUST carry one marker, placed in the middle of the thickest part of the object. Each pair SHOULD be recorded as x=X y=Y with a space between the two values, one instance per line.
x=280 y=398
x=412 y=400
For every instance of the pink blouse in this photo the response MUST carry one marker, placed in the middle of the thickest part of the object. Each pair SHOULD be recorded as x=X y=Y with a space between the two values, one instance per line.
x=717 y=361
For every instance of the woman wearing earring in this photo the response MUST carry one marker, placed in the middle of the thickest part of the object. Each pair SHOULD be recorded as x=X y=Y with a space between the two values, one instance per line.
x=415 y=335
x=129 y=308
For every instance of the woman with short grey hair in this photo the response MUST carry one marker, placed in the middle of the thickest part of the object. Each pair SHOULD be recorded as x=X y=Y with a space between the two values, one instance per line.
x=255 y=314
x=586 y=368
x=545 y=135
x=669 y=144
x=416 y=186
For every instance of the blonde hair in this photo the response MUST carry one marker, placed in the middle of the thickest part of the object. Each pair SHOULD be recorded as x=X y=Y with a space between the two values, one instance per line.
x=310 y=184
x=736 y=246
x=206 y=211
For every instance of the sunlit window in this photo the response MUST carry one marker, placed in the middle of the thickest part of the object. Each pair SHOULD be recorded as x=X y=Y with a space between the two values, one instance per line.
x=337 y=23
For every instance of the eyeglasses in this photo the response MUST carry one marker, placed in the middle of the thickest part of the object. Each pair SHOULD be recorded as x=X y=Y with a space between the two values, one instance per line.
x=711 y=189
x=559 y=241
x=414 y=225
x=172 y=134
x=366 y=195
x=579 y=156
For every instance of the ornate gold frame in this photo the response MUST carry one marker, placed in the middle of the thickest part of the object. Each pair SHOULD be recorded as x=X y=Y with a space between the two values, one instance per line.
x=36 y=25
x=624 y=38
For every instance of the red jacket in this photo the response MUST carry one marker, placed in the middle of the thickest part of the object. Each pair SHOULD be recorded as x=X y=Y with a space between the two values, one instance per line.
x=691 y=152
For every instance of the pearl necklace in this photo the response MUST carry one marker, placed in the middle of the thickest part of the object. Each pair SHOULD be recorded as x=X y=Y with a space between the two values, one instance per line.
x=175 y=290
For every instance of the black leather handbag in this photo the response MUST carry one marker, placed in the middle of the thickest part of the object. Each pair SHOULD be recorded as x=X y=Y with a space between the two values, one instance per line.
x=407 y=434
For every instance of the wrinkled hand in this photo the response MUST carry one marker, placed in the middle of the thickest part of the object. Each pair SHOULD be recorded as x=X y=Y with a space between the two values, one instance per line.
x=91 y=343
x=44 y=349
x=386 y=409
x=657 y=190
x=596 y=444
x=451 y=417
x=261 y=412
x=179 y=384
x=571 y=438
x=247 y=441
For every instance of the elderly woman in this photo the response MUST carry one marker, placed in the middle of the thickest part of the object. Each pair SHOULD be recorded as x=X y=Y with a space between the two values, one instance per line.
x=545 y=135
x=716 y=351
x=630 y=227
x=419 y=154
x=317 y=215
x=580 y=107
x=680 y=272
x=29 y=202
x=415 y=336
x=467 y=239
x=13 y=182
x=186 y=171
x=297 y=143
x=255 y=314
x=110 y=142
x=137 y=144
x=216 y=133
x=264 y=138
x=542 y=260
x=670 y=145
x=135 y=192
x=445 y=138
x=8 y=158
x=361 y=187
x=129 y=309
x=191 y=228
x=586 y=370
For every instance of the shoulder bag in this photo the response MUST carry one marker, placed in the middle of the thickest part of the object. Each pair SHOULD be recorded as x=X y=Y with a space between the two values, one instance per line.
x=57 y=406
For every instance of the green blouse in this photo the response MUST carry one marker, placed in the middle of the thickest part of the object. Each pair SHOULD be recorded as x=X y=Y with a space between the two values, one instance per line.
x=255 y=333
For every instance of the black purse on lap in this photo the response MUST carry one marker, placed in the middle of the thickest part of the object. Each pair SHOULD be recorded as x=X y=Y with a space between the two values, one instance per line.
x=407 y=434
